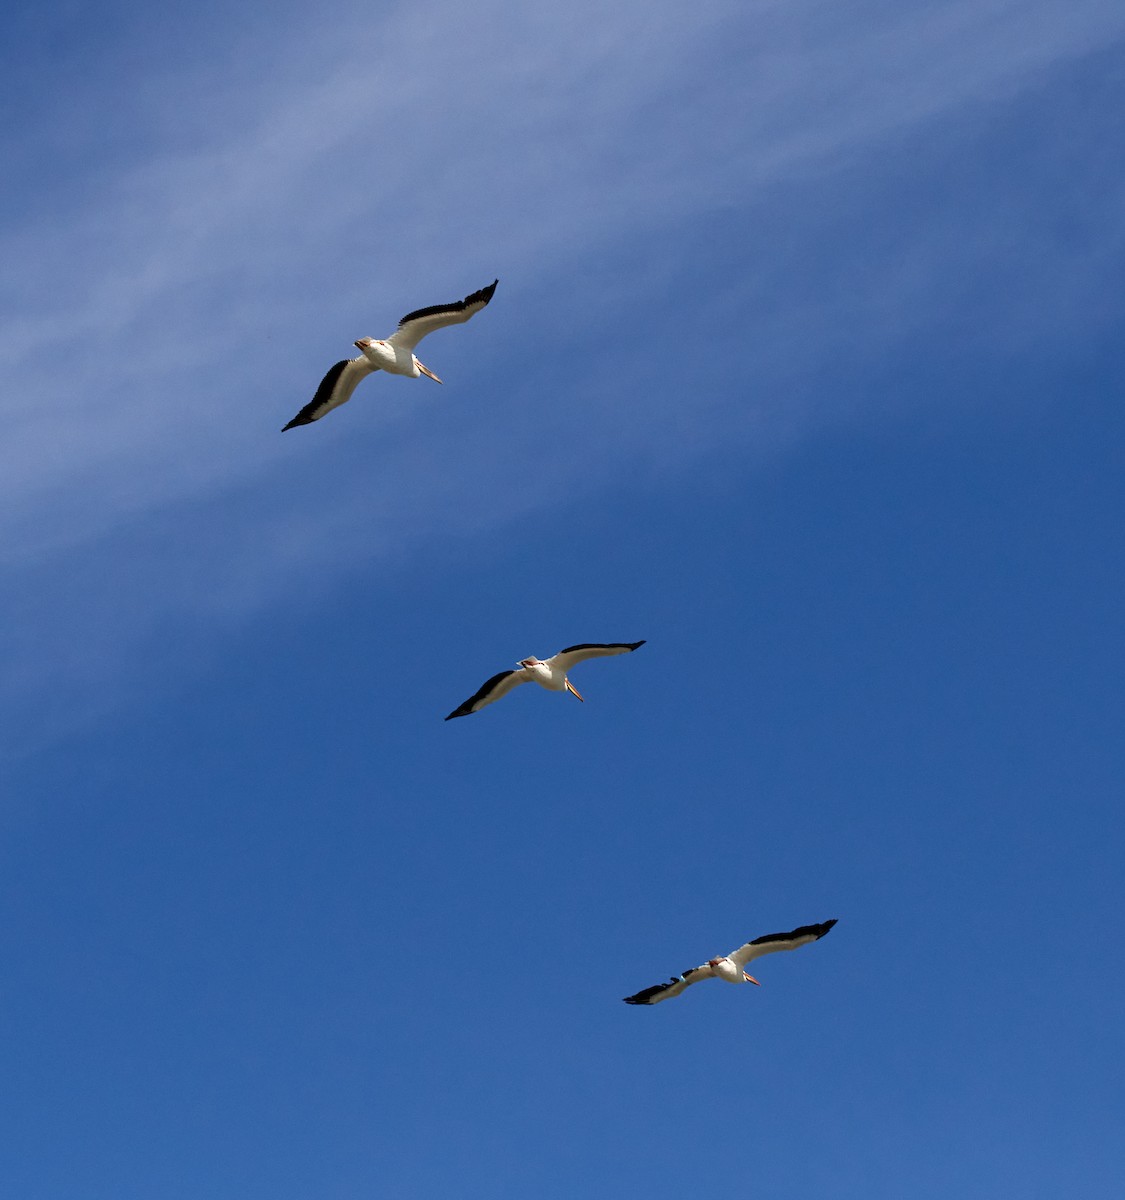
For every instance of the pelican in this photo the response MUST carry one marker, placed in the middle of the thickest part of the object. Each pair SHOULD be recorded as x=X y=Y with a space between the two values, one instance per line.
x=550 y=673
x=394 y=354
x=732 y=968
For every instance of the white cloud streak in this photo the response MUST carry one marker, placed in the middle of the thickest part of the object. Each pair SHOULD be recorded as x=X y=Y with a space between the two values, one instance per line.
x=164 y=326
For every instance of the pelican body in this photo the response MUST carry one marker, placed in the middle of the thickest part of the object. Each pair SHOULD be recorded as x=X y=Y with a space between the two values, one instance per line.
x=395 y=354
x=732 y=967
x=550 y=673
x=396 y=360
x=728 y=969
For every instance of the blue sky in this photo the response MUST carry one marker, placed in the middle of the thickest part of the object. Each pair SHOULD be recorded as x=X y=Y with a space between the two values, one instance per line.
x=805 y=366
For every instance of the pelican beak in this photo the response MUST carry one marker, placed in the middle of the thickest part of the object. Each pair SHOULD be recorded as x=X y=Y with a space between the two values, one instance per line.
x=360 y=345
x=572 y=689
x=426 y=371
x=750 y=978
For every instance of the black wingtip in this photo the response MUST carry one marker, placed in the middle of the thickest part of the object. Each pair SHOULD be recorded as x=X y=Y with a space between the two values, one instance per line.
x=650 y=995
x=634 y=645
x=820 y=930
x=485 y=294
x=482 y=298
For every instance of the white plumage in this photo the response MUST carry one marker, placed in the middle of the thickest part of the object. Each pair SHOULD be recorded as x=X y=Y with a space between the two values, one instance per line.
x=394 y=354
x=732 y=967
x=550 y=674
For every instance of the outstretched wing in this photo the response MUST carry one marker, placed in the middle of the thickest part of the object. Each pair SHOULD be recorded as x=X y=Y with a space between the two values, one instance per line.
x=335 y=388
x=565 y=659
x=414 y=326
x=674 y=986
x=770 y=942
x=493 y=689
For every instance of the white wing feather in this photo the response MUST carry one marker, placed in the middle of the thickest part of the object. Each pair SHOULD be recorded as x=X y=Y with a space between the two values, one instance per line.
x=773 y=942
x=335 y=389
x=566 y=659
x=674 y=986
x=416 y=325
x=492 y=690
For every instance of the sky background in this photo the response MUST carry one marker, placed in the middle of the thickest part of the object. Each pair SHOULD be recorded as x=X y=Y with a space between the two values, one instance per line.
x=805 y=365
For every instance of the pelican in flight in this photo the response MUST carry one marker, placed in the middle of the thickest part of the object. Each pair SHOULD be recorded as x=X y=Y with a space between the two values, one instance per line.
x=550 y=674
x=394 y=354
x=732 y=968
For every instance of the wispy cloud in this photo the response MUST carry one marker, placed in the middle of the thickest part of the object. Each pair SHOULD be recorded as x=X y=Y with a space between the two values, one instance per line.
x=162 y=328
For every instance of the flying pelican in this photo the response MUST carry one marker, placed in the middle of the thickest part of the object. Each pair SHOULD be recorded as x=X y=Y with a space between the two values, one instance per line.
x=394 y=354
x=550 y=674
x=732 y=968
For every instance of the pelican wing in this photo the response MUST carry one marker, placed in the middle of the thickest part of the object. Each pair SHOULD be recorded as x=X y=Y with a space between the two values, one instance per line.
x=335 y=388
x=565 y=659
x=674 y=986
x=493 y=689
x=414 y=326
x=771 y=942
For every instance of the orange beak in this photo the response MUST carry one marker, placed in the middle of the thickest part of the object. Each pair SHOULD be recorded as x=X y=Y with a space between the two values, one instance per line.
x=750 y=978
x=426 y=371
x=572 y=689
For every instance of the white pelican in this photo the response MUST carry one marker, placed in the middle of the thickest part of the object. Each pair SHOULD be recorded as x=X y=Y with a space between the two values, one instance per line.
x=394 y=354
x=732 y=968
x=550 y=674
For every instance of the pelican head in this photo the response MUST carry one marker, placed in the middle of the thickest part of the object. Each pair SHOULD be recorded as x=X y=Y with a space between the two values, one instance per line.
x=529 y=662
x=374 y=351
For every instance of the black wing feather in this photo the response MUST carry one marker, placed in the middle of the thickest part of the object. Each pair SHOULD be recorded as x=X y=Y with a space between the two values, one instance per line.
x=645 y=996
x=816 y=931
x=436 y=310
x=604 y=646
x=323 y=395
x=466 y=709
